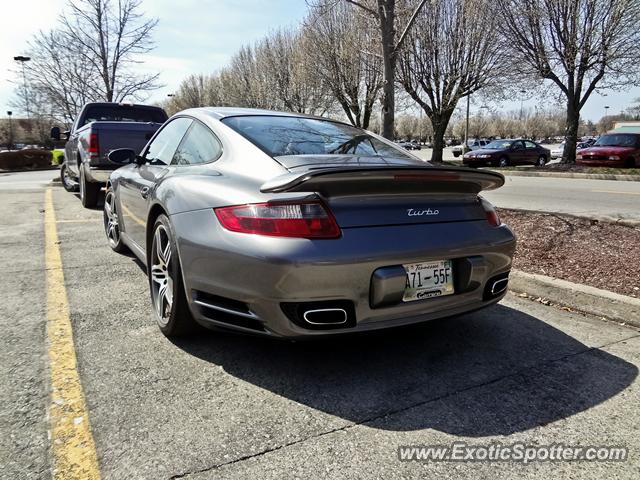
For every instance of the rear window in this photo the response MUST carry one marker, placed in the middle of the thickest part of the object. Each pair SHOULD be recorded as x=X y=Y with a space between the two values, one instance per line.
x=282 y=136
x=123 y=113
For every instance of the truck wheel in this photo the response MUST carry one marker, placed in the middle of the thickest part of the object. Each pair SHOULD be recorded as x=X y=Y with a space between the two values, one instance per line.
x=69 y=184
x=89 y=191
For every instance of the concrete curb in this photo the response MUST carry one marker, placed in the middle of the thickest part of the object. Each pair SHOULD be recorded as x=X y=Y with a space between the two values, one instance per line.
x=583 y=298
x=586 y=176
x=627 y=222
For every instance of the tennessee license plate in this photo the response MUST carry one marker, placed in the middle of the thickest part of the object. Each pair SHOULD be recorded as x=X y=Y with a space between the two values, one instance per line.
x=427 y=280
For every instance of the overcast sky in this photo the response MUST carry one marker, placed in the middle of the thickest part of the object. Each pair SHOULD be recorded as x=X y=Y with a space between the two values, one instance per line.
x=199 y=36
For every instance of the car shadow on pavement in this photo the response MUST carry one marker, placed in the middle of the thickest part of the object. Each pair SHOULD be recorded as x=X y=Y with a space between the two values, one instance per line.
x=492 y=372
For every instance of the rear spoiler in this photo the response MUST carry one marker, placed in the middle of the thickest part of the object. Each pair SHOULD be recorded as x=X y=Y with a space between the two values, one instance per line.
x=362 y=180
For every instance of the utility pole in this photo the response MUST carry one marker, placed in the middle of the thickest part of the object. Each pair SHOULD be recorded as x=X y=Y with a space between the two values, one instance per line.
x=466 y=129
x=22 y=59
x=9 y=113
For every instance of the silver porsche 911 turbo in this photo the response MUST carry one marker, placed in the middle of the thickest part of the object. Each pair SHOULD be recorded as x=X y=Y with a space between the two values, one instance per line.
x=296 y=226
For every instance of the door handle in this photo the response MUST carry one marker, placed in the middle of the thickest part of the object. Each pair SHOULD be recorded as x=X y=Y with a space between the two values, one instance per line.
x=144 y=191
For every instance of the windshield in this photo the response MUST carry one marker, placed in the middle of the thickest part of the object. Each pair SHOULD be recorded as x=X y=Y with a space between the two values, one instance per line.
x=618 y=140
x=123 y=113
x=499 y=145
x=281 y=136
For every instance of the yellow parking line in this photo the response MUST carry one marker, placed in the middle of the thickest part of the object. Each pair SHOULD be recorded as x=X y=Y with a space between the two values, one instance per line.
x=613 y=191
x=74 y=452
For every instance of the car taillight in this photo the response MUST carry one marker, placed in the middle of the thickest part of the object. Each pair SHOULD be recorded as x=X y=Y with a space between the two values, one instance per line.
x=302 y=220
x=94 y=146
x=492 y=216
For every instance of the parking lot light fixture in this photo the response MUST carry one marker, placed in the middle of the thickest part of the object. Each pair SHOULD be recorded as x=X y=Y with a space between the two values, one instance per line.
x=9 y=113
x=22 y=59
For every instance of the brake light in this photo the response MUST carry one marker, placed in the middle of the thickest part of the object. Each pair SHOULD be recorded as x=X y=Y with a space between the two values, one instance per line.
x=94 y=146
x=492 y=216
x=302 y=220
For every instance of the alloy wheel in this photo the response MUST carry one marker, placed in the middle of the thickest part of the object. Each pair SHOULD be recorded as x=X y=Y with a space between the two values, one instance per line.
x=161 y=274
x=111 y=226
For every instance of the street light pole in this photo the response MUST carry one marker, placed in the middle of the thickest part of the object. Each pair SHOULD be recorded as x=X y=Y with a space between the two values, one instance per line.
x=466 y=129
x=522 y=92
x=22 y=59
x=9 y=113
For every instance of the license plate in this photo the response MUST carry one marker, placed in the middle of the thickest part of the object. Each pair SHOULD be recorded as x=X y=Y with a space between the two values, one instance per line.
x=427 y=280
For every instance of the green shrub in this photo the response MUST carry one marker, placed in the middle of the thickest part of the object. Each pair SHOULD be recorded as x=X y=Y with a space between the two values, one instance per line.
x=58 y=156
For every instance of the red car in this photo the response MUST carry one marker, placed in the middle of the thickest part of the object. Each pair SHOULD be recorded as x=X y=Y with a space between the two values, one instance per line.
x=612 y=150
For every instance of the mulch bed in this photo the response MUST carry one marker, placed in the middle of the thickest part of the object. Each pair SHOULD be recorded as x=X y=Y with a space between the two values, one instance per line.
x=584 y=251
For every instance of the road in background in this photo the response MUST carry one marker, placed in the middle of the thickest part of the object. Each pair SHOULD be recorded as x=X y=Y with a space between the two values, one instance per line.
x=27 y=180
x=609 y=198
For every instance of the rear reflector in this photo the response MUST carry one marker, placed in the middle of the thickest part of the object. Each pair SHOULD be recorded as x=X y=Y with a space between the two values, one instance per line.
x=94 y=146
x=302 y=220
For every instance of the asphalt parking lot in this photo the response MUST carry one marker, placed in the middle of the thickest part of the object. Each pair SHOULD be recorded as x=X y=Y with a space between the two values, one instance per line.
x=229 y=406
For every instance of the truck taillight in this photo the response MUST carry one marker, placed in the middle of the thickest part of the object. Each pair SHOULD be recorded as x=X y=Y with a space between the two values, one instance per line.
x=94 y=146
x=302 y=220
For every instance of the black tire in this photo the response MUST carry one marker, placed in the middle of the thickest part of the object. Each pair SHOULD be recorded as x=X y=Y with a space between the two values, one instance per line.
x=172 y=316
x=111 y=220
x=89 y=191
x=503 y=162
x=69 y=184
x=542 y=161
x=629 y=163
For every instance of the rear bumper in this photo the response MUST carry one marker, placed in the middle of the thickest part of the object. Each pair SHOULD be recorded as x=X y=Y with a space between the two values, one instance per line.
x=251 y=277
x=98 y=174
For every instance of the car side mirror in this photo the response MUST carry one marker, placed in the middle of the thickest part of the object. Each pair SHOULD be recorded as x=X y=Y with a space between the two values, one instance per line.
x=55 y=134
x=123 y=156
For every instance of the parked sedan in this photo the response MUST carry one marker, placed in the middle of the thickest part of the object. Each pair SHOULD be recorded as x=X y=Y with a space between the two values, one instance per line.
x=612 y=150
x=502 y=153
x=294 y=226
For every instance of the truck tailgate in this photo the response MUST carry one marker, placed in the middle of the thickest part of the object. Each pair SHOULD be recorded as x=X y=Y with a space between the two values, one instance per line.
x=113 y=135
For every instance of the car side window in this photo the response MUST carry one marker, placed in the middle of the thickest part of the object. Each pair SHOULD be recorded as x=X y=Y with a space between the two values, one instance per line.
x=164 y=145
x=199 y=145
x=517 y=146
x=528 y=144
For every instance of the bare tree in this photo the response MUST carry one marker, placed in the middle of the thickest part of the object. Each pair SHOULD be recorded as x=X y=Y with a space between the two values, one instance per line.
x=338 y=43
x=58 y=84
x=579 y=45
x=90 y=56
x=286 y=72
x=451 y=52
x=388 y=20
x=113 y=35
x=196 y=91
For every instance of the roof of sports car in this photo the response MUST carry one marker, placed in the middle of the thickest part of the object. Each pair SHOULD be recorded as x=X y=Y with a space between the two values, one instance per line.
x=223 y=112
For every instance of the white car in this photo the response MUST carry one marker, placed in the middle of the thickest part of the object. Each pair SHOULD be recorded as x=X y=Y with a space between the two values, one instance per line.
x=557 y=152
x=473 y=145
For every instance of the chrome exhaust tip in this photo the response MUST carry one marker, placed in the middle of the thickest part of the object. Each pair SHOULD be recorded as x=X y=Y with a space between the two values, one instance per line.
x=499 y=286
x=325 y=316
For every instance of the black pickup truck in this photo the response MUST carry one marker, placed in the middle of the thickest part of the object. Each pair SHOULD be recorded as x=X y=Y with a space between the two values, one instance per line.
x=98 y=129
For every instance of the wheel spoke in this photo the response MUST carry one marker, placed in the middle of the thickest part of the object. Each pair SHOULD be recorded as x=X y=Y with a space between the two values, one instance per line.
x=166 y=254
x=160 y=300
